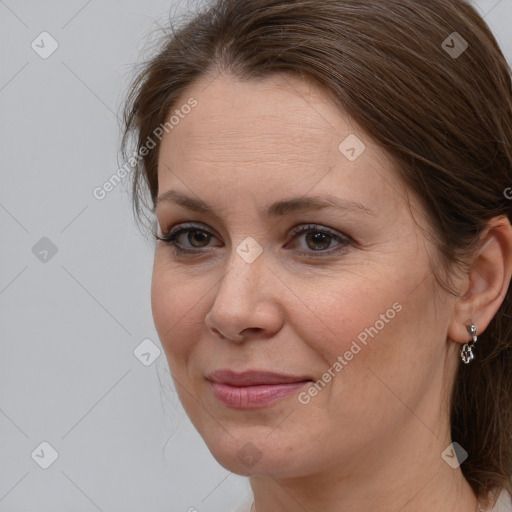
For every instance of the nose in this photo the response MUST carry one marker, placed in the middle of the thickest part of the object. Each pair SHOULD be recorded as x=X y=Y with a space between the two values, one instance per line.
x=247 y=302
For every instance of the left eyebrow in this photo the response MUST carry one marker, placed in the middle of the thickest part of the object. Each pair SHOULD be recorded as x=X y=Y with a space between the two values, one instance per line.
x=277 y=209
x=302 y=204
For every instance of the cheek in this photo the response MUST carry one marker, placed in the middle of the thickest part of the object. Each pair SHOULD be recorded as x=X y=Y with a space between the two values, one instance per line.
x=335 y=322
x=175 y=308
x=389 y=352
x=370 y=327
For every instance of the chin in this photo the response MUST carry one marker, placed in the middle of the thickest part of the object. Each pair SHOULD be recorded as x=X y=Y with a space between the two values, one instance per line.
x=253 y=455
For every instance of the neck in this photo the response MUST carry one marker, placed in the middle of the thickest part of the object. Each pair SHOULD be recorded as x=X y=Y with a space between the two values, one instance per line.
x=398 y=476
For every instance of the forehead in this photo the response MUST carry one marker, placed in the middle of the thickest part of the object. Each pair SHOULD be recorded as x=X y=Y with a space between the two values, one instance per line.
x=280 y=134
x=278 y=112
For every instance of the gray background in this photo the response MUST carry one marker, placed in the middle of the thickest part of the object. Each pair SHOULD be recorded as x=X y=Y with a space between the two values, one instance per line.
x=70 y=323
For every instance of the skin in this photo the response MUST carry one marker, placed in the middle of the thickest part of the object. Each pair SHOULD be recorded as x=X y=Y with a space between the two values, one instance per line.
x=372 y=439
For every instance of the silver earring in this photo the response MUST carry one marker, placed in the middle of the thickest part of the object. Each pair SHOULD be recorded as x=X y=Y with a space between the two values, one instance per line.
x=466 y=353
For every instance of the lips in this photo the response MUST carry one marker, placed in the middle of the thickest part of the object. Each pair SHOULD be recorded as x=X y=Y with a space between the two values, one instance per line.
x=254 y=378
x=253 y=389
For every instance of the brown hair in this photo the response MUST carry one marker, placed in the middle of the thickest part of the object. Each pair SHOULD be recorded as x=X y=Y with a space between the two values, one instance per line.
x=446 y=120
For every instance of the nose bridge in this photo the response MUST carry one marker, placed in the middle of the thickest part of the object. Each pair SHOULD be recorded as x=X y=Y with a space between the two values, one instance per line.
x=245 y=269
x=238 y=302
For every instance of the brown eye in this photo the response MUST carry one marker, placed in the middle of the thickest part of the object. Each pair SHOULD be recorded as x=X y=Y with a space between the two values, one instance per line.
x=198 y=238
x=187 y=239
x=318 y=240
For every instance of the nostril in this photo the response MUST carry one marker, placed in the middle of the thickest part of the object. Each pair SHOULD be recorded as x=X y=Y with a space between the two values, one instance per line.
x=224 y=337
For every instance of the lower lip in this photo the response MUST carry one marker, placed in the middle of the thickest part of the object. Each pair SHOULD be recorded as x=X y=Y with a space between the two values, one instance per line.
x=248 y=397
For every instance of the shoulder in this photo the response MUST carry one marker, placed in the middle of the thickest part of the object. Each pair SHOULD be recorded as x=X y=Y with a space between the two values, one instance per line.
x=245 y=504
x=503 y=503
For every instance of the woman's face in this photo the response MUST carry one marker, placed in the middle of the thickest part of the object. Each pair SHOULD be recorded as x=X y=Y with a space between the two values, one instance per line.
x=340 y=294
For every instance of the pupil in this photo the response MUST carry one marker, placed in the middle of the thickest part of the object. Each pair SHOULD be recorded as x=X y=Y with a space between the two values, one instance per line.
x=319 y=238
x=198 y=236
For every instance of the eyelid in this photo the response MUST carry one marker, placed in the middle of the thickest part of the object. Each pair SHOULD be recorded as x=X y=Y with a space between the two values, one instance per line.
x=301 y=228
x=182 y=226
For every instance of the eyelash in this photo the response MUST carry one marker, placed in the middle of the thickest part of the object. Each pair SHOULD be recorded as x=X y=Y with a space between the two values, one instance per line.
x=169 y=238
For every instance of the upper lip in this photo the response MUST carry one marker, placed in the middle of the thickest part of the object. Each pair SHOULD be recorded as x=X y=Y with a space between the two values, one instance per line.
x=253 y=377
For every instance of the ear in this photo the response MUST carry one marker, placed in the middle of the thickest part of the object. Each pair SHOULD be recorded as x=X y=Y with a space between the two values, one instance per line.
x=486 y=284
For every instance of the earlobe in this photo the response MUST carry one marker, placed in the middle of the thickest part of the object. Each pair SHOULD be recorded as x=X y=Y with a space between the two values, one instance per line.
x=486 y=283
